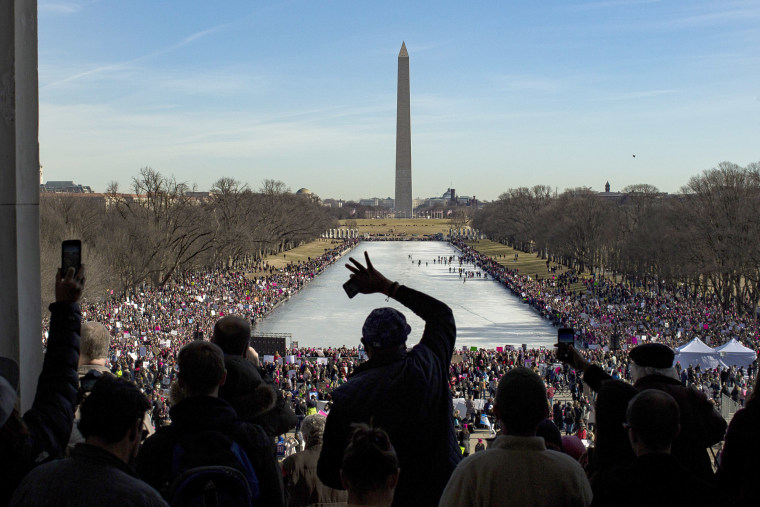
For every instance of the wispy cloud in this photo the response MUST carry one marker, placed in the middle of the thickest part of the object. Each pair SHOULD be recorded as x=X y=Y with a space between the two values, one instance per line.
x=184 y=42
x=519 y=82
x=644 y=94
x=611 y=4
x=60 y=7
x=718 y=17
x=122 y=66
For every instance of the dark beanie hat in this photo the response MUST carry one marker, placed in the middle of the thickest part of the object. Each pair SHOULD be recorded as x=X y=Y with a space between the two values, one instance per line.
x=385 y=327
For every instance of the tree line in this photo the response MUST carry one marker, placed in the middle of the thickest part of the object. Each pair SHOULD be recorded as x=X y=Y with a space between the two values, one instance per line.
x=164 y=226
x=707 y=236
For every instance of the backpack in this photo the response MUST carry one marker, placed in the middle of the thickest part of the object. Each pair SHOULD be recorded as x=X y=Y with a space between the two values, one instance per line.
x=210 y=469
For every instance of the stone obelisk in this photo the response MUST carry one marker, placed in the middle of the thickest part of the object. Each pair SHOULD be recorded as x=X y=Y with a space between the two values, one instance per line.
x=403 y=203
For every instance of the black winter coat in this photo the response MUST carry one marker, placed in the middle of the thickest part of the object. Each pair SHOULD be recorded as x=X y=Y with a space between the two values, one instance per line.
x=701 y=424
x=51 y=417
x=408 y=396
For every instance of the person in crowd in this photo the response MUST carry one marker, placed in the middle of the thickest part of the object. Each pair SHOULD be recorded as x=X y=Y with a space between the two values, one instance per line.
x=480 y=446
x=43 y=431
x=98 y=471
x=311 y=405
x=557 y=414
x=741 y=449
x=569 y=419
x=652 y=368
x=611 y=446
x=93 y=351
x=95 y=341
x=370 y=469
x=517 y=469
x=302 y=486
x=547 y=430
x=399 y=390
x=655 y=477
x=251 y=394
x=463 y=438
x=573 y=447
x=203 y=422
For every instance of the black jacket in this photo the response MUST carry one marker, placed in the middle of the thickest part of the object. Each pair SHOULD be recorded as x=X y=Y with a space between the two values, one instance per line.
x=408 y=396
x=654 y=480
x=50 y=419
x=701 y=424
x=202 y=413
x=91 y=476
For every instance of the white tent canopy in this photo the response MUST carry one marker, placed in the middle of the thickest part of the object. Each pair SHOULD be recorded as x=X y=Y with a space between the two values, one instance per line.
x=733 y=353
x=697 y=353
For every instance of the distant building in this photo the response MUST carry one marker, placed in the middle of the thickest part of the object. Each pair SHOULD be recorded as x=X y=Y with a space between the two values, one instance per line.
x=308 y=194
x=611 y=196
x=334 y=203
x=377 y=202
x=69 y=187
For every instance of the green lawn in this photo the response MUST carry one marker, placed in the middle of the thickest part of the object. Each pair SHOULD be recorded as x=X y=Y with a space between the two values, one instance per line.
x=526 y=263
x=399 y=227
x=302 y=253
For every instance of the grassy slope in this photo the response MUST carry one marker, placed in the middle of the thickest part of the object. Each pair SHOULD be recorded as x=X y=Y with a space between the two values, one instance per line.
x=528 y=264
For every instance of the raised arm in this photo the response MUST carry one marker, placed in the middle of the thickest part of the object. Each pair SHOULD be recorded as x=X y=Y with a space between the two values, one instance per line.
x=440 y=330
x=593 y=375
x=52 y=414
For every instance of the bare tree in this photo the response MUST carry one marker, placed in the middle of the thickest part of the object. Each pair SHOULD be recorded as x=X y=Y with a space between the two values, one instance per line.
x=719 y=213
x=165 y=228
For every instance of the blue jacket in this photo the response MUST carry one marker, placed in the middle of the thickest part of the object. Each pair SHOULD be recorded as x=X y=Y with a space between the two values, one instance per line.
x=408 y=396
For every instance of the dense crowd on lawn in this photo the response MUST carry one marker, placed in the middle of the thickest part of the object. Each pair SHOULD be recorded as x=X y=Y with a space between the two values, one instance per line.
x=392 y=435
x=630 y=310
x=149 y=326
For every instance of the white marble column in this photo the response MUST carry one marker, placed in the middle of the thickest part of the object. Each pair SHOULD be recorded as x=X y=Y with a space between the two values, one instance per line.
x=19 y=193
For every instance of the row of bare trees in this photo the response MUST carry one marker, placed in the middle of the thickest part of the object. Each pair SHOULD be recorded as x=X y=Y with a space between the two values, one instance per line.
x=165 y=226
x=707 y=236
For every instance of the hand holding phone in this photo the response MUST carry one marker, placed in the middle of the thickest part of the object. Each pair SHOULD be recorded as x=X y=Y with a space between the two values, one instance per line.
x=69 y=286
x=351 y=287
x=71 y=256
x=565 y=337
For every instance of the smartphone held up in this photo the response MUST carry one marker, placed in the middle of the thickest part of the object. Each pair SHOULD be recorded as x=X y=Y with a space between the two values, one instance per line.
x=71 y=255
x=565 y=337
x=351 y=287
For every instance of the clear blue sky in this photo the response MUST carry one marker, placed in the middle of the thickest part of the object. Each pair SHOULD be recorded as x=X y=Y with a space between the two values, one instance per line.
x=504 y=94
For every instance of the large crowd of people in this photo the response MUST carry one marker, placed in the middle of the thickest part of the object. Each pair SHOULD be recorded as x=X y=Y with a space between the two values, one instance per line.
x=387 y=423
x=149 y=326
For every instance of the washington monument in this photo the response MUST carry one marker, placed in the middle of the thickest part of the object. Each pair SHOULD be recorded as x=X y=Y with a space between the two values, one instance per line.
x=403 y=203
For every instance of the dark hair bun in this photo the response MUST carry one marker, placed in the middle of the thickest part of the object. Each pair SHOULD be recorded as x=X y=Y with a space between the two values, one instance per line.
x=369 y=458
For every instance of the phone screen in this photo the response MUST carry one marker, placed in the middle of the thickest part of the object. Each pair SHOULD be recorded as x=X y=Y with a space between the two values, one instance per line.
x=71 y=255
x=566 y=335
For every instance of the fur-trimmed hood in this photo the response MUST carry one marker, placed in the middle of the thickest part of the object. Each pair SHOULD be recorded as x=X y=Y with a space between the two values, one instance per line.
x=243 y=389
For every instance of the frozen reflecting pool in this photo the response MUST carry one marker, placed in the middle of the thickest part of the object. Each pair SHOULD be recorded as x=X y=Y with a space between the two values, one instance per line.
x=486 y=313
